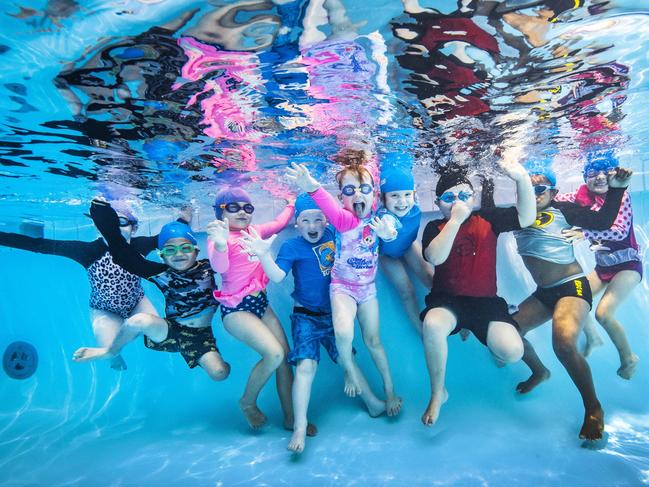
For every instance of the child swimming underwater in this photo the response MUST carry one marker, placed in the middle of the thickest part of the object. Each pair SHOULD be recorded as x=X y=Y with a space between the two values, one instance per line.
x=399 y=204
x=115 y=293
x=244 y=306
x=310 y=257
x=618 y=268
x=187 y=285
x=462 y=247
x=563 y=293
x=353 y=290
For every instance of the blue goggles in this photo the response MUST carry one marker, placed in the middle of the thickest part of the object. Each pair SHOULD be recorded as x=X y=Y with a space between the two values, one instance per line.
x=450 y=197
x=351 y=190
x=542 y=188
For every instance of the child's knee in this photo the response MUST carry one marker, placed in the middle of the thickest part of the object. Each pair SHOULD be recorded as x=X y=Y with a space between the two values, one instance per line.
x=275 y=356
x=137 y=322
x=373 y=341
x=219 y=372
x=344 y=337
x=306 y=367
x=602 y=315
x=510 y=352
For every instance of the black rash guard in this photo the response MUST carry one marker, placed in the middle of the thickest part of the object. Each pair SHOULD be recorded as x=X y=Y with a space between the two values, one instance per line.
x=112 y=288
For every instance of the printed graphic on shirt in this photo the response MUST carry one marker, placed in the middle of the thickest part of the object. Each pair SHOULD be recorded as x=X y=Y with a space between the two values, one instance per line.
x=325 y=254
x=369 y=239
x=543 y=219
x=464 y=245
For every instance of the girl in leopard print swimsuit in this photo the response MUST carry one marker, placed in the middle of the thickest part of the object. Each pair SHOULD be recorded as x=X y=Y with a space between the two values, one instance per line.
x=115 y=294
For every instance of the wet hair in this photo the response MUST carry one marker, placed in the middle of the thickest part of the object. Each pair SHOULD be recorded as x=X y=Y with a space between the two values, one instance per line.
x=360 y=172
x=451 y=176
x=353 y=162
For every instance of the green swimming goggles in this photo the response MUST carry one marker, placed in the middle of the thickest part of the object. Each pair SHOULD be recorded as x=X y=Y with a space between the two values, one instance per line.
x=171 y=250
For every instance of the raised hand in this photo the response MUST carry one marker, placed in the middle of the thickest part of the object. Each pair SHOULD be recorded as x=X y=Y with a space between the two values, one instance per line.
x=384 y=228
x=619 y=177
x=300 y=175
x=510 y=166
x=218 y=232
x=253 y=243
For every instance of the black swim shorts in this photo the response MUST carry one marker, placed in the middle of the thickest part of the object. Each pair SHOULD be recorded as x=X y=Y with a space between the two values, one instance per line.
x=192 y=343
x=472 y=313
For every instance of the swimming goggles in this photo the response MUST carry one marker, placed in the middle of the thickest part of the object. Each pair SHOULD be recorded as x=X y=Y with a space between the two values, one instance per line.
x=171 y=250
x=125 y=222
x=542 y=188
x=236 y=207
x=450 y=197
x=593 y=173
x=351 y=190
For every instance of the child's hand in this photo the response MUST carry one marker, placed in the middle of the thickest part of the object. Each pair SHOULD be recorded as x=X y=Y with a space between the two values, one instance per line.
x=619 y=178
x=186 y=213
x=253 y=243
x=300 y=175
x=596 y=246
x=574 y=234
x=384 y=228
x=460 y=211
x=218 y=232
x=511 y=167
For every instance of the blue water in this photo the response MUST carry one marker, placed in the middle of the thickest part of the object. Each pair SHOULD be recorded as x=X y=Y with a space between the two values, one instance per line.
x=159 y=423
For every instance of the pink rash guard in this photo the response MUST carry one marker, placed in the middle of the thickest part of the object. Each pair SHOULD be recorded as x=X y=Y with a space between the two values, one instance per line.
x=242 y=274
x=357 y=245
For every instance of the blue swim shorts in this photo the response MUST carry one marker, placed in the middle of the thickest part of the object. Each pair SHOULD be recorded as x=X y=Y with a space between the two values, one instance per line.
x=310 y=330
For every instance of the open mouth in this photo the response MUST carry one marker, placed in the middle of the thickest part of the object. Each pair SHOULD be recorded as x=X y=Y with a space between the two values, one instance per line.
x=400 y=208
x=312 y=235
x=359 y=208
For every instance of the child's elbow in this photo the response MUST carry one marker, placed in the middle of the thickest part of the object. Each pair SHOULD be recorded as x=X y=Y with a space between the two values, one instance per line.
x=526 y=221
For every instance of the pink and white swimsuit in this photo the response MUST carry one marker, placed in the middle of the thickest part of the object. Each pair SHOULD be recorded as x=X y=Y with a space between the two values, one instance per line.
x=242 y=274
x=357 y=250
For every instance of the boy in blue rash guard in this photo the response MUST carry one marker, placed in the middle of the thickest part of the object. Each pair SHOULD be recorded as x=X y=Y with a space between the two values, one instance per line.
x=310 y=256
x=187 y=285
x=399 y=204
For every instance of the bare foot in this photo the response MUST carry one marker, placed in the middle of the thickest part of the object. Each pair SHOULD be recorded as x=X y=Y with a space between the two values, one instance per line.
x=431 y=414
x=593 y=426
x=627 y=369
x=534 y=380
x=86 y=354
x=256 y=419
x=296 y=444
x=311 y=429
x=592 y=342
x=118 y=363
x=393 y=404
x=352 y=389
x=375 y=407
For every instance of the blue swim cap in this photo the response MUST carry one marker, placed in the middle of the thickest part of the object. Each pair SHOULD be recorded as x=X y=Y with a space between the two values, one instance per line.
x=543 y=170
x=229 y=195
x=20 y=360
x=396 y=179
x=304 y=202
x=175 y=230
x=600 y=161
